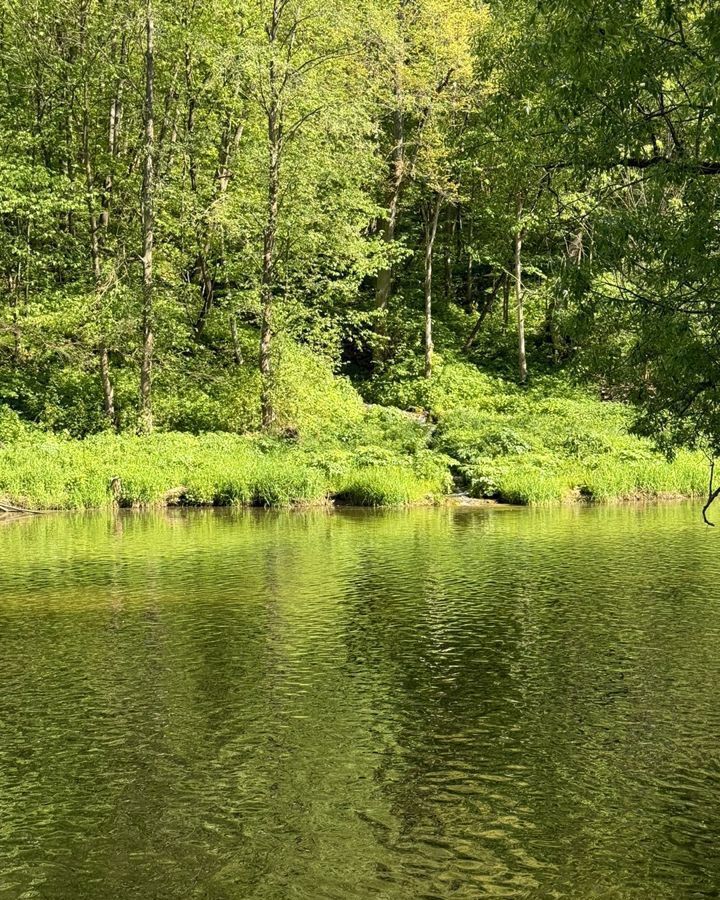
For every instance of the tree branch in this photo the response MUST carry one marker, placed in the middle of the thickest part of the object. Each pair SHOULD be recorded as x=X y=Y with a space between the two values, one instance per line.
x=701 y=167
x=713 y=494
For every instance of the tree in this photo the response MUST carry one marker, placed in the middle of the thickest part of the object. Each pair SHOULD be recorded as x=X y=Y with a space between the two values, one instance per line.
x=148 y=226
x=300 y=70
x=427 y=61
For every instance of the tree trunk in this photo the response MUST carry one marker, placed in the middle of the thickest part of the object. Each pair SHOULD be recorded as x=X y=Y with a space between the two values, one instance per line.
x=237 y=352
x=229 y=140
x=107 y=386
x=267 y=287
x=267 y=411
x=519 y=299
x=506 y=302
x=469 y=276
x=451 y=230
x=432 y=215
x=113 y=138
x=383 y=285
x=102 y=351
x=501 y=279
x=190 y=117
x=551 y=327
x=148 y=227
x=384 y=277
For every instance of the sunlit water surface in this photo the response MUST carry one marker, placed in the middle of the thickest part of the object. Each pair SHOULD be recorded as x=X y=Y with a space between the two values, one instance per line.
x=450 y=703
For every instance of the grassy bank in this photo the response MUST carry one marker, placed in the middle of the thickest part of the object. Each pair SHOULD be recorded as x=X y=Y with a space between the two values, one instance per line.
x=548 y=443
x=421 y=440
x=44 y=471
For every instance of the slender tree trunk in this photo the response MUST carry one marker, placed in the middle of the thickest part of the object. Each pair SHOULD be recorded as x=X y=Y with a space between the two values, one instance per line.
x=519 y=298
x=148 y=227
x=107 y=386
x=384 y=277
x=432 y=215
x=21 y=294
x=237 y=352
x=267 y=411
x=113 y=138
x=190 y=118
x=551 y=327
x=229 y=140
x=207 y=288
x=113 y=150
x=383 y=285
x=14 y=283
x=94 y=226
x=102 y=351
x=469 y=276
x=506 y=302
x=450 y=231
x=487 y=307
x=267 y=287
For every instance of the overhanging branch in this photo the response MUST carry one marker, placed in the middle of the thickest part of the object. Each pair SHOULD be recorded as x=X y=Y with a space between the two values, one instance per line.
x=713 y=494
x=693 y=167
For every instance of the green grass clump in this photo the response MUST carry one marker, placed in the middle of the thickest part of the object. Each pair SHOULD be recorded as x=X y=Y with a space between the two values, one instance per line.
x=60 y=473
x=386 y=486
x=288 y=481
x=684 y=476
x=522 y=482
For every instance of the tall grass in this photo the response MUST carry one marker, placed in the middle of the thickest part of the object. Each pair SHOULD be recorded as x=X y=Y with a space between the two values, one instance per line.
x=551 y=443
x=55 y=473
x=386 y=486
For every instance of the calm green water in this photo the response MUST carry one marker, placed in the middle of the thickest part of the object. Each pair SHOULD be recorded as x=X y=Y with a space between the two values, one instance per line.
x=424 y=704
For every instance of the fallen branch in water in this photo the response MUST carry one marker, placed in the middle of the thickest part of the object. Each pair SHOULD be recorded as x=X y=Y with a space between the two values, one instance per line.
x=6 y=507
x=713 y=494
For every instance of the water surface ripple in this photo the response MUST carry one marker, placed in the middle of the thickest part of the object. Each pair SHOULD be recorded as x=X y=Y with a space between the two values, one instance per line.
x=446 y=703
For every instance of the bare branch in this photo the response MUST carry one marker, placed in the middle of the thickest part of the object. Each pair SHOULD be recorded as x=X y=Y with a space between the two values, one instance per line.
x=713 y=494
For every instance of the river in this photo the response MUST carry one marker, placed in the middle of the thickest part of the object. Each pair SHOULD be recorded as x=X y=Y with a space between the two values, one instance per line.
x=431 y=703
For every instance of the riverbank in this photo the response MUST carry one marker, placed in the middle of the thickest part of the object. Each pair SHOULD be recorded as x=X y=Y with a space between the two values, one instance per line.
x=421 y=442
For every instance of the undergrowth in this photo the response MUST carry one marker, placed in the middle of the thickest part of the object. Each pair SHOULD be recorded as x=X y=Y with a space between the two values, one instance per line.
x=548 y=443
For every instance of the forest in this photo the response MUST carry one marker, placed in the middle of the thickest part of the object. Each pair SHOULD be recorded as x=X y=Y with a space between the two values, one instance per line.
x=284 y=251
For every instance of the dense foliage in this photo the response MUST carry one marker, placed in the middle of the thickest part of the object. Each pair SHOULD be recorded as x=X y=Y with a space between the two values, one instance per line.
x=256 y=216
